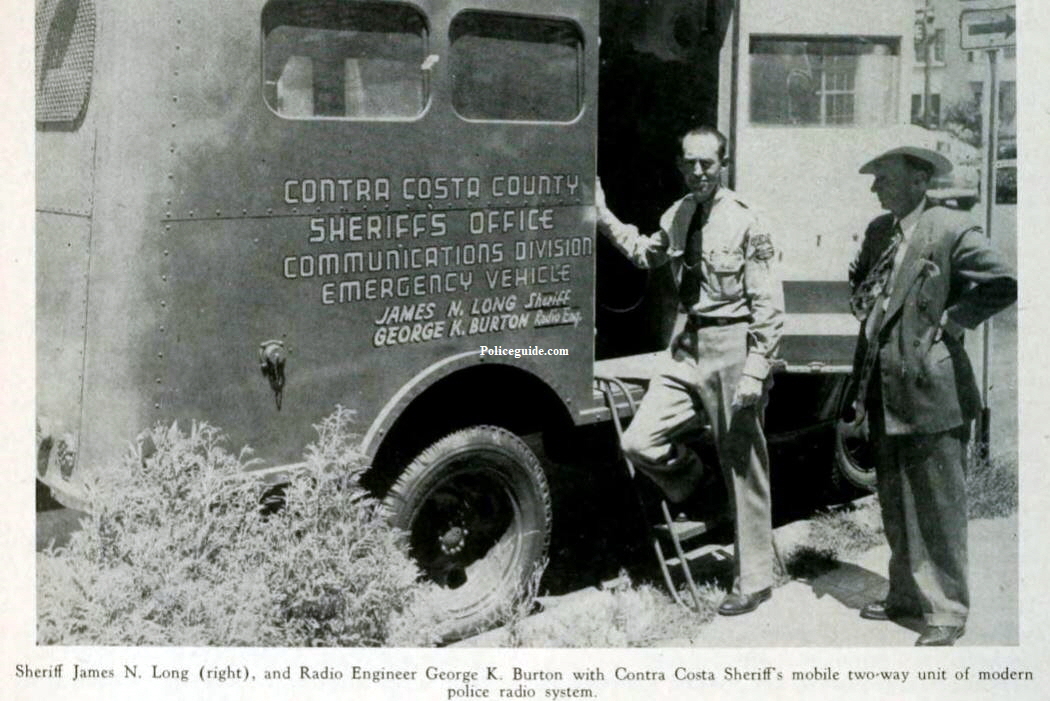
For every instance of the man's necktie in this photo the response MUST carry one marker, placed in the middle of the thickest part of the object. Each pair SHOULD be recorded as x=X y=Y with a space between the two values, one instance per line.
x=692 y=258
x=870 y=291
x=870 y=309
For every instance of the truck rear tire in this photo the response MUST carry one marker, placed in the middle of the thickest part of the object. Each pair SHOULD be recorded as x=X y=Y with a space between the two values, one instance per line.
x=854 y=457
x=476 y=510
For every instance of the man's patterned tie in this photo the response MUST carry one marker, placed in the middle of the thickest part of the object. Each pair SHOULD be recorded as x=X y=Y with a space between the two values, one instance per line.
x=870 y=291
x=868 y=306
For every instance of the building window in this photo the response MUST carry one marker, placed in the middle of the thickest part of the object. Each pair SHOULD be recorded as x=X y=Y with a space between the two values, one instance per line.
x=1007 y=119
x=1006 y=184
x=65 y=53
x=510 y=67
x=938 y=45
x=1008 y=101
x=819 y=81
x=325 y=59
x=917 y=116
x=977 y=90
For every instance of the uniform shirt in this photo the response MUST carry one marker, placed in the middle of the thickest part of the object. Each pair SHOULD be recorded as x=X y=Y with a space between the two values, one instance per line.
x=737 y=279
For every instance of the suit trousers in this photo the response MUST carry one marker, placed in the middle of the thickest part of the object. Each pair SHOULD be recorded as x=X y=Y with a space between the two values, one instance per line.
x=921 y=484
x=688 y=388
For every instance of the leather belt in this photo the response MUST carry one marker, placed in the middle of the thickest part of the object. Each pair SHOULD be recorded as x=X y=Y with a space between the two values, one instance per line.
x=701 y=322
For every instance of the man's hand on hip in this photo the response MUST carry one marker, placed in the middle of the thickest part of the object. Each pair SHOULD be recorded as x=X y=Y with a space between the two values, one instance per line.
x=947 y=326
x=748 y=392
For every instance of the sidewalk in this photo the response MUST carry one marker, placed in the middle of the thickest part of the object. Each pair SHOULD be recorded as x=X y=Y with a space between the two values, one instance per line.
x=825 y=612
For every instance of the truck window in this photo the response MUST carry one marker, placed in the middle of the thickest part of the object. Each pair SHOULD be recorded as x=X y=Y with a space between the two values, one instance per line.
x=509 y=67
x=325 y=59
x=820 y=81
x=65 y=53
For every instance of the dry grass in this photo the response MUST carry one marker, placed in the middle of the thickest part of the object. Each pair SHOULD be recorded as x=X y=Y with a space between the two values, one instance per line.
x=624 y=615
x=843 y=532
x=834 y=535
x=991 y=488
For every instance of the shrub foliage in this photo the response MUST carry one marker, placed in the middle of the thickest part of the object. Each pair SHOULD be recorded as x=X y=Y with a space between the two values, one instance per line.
x=176 y=551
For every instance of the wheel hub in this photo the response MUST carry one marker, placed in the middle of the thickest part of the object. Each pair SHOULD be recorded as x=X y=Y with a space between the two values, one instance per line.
x=453 y=540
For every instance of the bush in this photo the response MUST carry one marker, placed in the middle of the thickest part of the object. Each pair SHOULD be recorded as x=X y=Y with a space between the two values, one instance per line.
x=177 y=551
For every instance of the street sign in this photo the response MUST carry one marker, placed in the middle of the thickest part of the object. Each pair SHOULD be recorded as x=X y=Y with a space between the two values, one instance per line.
x=988 y=29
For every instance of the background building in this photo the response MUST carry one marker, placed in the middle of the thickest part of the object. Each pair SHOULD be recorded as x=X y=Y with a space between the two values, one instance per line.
x=949 y=84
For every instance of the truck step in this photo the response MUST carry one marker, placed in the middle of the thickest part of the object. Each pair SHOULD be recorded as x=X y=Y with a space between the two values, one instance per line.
x=712 y=553
x=685 y=530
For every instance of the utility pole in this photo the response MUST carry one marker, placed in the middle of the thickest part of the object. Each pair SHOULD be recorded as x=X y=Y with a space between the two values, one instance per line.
x=991 y=132
x=989 y=30
x=927 y=35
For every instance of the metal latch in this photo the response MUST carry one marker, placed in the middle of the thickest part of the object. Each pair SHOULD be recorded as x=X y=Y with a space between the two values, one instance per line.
x=272 y=357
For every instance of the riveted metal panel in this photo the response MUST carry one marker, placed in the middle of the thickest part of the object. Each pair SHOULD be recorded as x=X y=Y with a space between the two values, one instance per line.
x=205 y=239
x=123 y=305
x=282 y=249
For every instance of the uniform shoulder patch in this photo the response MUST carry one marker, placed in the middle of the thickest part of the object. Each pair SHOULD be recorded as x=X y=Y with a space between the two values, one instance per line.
x=761 y=247
x=740 y=202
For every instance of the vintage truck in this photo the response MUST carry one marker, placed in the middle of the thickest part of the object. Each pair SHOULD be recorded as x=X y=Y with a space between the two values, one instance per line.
x=249 y=213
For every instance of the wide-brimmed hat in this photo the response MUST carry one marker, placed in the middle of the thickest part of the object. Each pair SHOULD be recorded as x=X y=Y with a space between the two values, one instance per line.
x=941 y=165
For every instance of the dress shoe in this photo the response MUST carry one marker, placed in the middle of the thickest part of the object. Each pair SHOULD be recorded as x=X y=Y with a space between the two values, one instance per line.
x=879 y=611
x=736 y=604
x=940 y=636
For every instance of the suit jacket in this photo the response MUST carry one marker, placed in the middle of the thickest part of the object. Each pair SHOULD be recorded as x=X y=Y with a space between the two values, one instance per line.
x=926 y=380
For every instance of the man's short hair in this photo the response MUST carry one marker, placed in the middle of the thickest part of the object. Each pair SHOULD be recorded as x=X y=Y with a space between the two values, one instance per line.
x=704 y=130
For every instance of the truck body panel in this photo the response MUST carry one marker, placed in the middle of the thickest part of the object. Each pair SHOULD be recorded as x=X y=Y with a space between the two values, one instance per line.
x=817 y=90
x=371 y=247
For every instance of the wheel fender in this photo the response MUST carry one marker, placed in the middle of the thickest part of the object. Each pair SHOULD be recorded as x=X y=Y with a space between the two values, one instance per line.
x=434 y=372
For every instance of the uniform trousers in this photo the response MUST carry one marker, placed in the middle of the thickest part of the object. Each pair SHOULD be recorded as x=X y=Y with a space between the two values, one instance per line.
x=921 y=484
x=695 y=382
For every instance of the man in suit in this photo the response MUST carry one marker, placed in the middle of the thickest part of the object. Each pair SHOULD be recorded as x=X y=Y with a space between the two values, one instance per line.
x=718 y=369
x=923 y=274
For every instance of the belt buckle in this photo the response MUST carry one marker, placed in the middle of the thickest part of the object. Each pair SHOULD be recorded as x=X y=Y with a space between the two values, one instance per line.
x=706 y=321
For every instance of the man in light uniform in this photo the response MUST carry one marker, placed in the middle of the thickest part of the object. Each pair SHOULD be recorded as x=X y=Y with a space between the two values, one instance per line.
x=923 y=274
x=718 y=368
